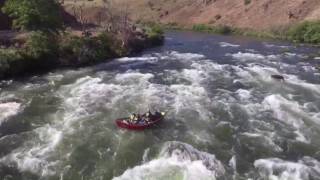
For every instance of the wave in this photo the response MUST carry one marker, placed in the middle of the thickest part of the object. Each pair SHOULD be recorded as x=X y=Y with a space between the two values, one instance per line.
x=278 y=169
x=177 y=161
x=8 y=110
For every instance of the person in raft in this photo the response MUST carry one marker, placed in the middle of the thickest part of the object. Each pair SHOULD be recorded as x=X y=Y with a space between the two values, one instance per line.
x=145 y=118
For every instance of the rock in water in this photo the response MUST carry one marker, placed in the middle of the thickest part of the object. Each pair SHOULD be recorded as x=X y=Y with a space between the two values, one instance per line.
x=278 y=77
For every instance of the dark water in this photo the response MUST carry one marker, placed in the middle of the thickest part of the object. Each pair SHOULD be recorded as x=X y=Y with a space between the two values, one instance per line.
x=227 y=118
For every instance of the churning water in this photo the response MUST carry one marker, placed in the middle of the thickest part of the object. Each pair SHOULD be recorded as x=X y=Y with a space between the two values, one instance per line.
x=227 y=118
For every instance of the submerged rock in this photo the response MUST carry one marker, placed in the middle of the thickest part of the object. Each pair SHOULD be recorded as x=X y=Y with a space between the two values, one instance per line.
x=278 y=77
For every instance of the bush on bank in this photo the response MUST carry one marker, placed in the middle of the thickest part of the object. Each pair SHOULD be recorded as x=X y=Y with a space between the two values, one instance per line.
x=155 y=34
x=41 y=15
x=80 y=51
x=306 y=32
x=213 y=29
x=10 y=62
x=44 y=50
x=39 y=53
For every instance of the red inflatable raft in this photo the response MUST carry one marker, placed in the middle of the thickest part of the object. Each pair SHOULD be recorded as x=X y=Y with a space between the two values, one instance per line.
x=125 y=123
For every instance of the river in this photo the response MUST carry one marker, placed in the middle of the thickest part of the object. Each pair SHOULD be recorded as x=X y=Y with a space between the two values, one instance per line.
x=227 y=118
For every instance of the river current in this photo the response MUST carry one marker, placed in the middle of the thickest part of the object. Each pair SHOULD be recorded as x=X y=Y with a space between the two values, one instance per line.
x=227 y=118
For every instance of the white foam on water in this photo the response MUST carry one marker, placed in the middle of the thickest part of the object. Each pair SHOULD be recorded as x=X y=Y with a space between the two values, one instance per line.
x=33 y=159
x=225 y=44
x=273 y=45
x=55 y=77
x=185 y=56
x=193 y=75
x=6 y=82
x=243 y=94
x=245 y=56
x=208 y=67
x=278 y=169
x=290 y=112
x=308 y=68
x=288 y=54
x=314 y=88
x=266 y=139
x=130 y=59
x=261 y=73
x=8 y=110
x=233 y=163
x=300 y=137
x=191 y=97
x=256 y=73
x=80 y=99
x=177 y=161
x=130 y=78
x=251 y=50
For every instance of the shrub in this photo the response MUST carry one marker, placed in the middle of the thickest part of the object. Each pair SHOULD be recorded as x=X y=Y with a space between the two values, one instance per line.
x=213 y=29
x=11 y=62
x=74 y=51
x=79 y=51
x=106 y=46
x=38 y=54
x=34 y=14
x=155 y=34
x=223 y=30
x=306 y=32
x=247 y=2
x=41 y=44
x=202 y=28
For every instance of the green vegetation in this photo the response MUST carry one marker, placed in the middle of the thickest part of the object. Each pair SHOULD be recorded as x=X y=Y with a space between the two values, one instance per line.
x=306 y=32
x=172 y=26
x=257 y=34
x=79 y=51
x=41 y=45
x=226 y=30
x=155 y=34
x=247 y=2
x=213 y=29
x=44 y=51
x=48 y=46
x=10 y=62
x=39 y=53
x=34 y=14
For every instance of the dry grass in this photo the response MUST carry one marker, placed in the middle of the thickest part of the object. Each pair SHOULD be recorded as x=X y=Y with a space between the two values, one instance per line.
x=258 y=15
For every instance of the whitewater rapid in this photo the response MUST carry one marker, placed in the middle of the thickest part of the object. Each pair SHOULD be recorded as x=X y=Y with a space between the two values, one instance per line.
x=227 y=118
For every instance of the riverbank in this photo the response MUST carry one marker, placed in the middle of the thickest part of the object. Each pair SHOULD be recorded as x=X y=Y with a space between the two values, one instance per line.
x=306 y=32
x=40 y=52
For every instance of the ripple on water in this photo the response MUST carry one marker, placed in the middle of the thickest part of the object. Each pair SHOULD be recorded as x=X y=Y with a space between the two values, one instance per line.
x=177 y=161
x=275 y=168
x=8 y=110
x=200 y=100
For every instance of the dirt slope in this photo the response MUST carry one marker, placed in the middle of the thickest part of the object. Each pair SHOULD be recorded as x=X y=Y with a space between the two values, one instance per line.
x=256 y=14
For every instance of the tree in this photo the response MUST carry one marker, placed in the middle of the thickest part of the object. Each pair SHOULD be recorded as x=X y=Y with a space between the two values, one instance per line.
x=78 y=13
x=41 y=15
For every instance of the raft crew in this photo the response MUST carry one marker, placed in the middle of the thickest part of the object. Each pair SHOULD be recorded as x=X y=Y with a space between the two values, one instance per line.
x=145 y=118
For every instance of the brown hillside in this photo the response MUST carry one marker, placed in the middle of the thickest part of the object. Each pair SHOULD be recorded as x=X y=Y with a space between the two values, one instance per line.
x=256 y=14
